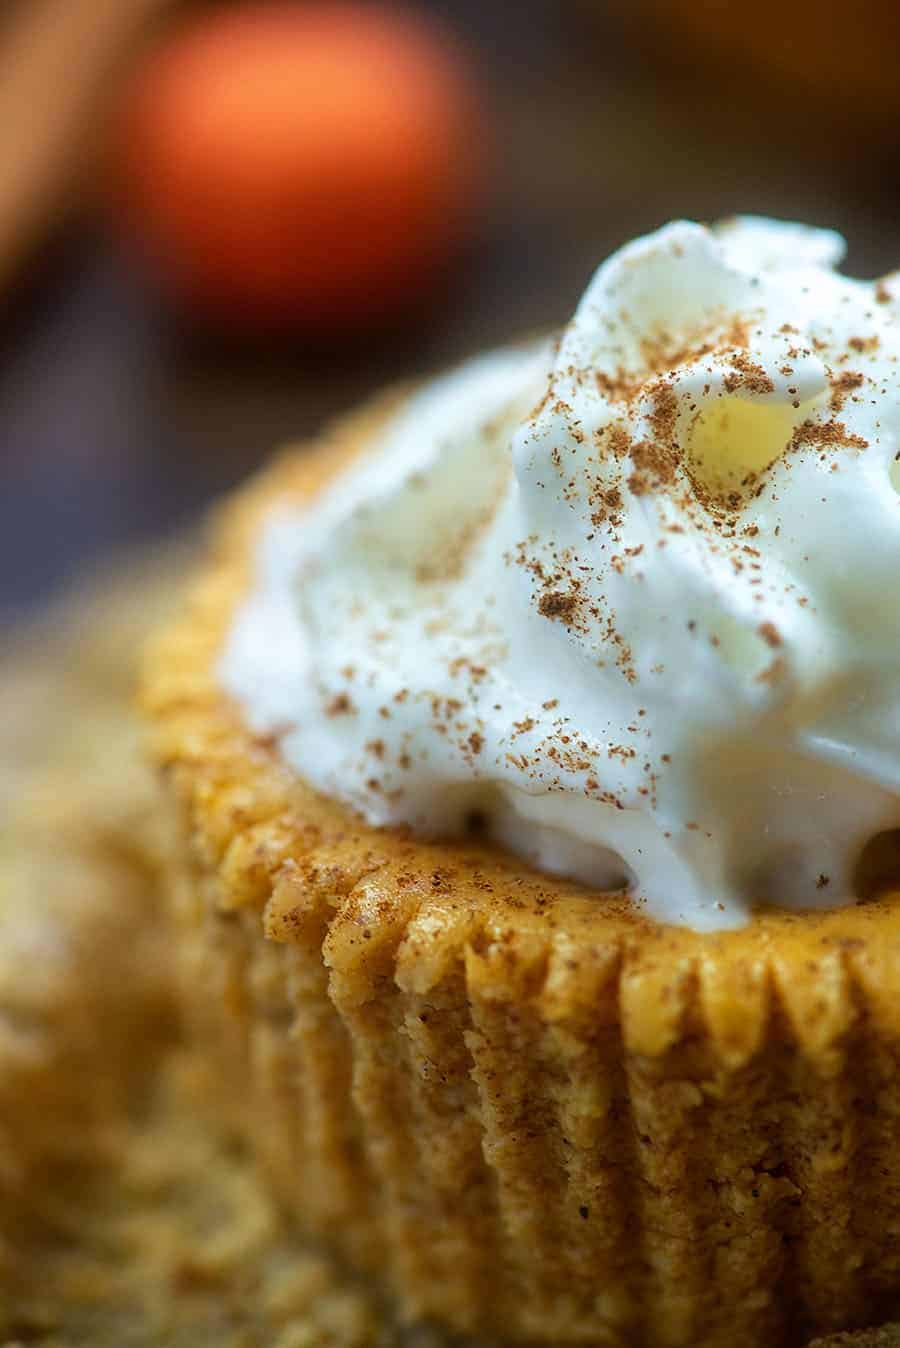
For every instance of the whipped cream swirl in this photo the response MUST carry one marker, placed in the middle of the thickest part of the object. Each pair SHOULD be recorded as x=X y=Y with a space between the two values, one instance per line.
x=628 y=600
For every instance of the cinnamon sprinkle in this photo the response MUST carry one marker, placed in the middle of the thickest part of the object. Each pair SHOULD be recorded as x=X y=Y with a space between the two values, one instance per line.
x=842 y=386
x=558 y=604
x=747 y=374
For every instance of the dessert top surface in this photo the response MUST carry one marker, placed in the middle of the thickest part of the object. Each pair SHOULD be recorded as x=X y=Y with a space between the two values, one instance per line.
x=623 y=601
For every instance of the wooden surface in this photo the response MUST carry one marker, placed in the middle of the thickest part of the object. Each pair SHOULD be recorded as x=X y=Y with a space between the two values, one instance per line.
x=117 y=422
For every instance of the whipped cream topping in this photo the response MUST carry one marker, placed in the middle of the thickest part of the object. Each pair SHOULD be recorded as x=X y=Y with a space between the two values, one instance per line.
x=629 y=600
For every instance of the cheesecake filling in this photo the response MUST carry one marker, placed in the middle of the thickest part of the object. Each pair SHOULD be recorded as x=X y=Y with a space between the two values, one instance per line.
x=626 y=602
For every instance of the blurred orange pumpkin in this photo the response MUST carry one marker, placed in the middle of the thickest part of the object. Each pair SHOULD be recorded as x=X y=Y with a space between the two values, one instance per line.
x=301 y=162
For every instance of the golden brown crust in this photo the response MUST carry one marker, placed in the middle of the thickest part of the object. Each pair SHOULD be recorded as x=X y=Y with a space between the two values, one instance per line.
x=536 y=1110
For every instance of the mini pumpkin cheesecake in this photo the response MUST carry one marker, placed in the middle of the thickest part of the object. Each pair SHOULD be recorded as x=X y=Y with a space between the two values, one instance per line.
x=537 y=755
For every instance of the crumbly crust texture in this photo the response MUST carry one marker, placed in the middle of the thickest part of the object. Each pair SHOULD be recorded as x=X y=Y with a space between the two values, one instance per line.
x=534 y=1112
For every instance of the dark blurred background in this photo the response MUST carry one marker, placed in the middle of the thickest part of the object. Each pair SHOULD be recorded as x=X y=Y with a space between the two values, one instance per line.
x=125 y=406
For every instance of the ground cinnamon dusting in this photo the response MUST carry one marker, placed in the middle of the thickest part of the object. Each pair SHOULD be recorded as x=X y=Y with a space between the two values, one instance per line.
x=664 y=416
x=842 y=386
x=655 y=461
x=826 y=435
x=607 y=504
x=619 y=387
x=747 y=374
x=558 y=604
x=619 y=441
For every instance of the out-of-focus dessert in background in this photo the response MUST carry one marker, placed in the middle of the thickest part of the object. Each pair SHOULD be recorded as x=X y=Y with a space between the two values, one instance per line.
x=86 y=1004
